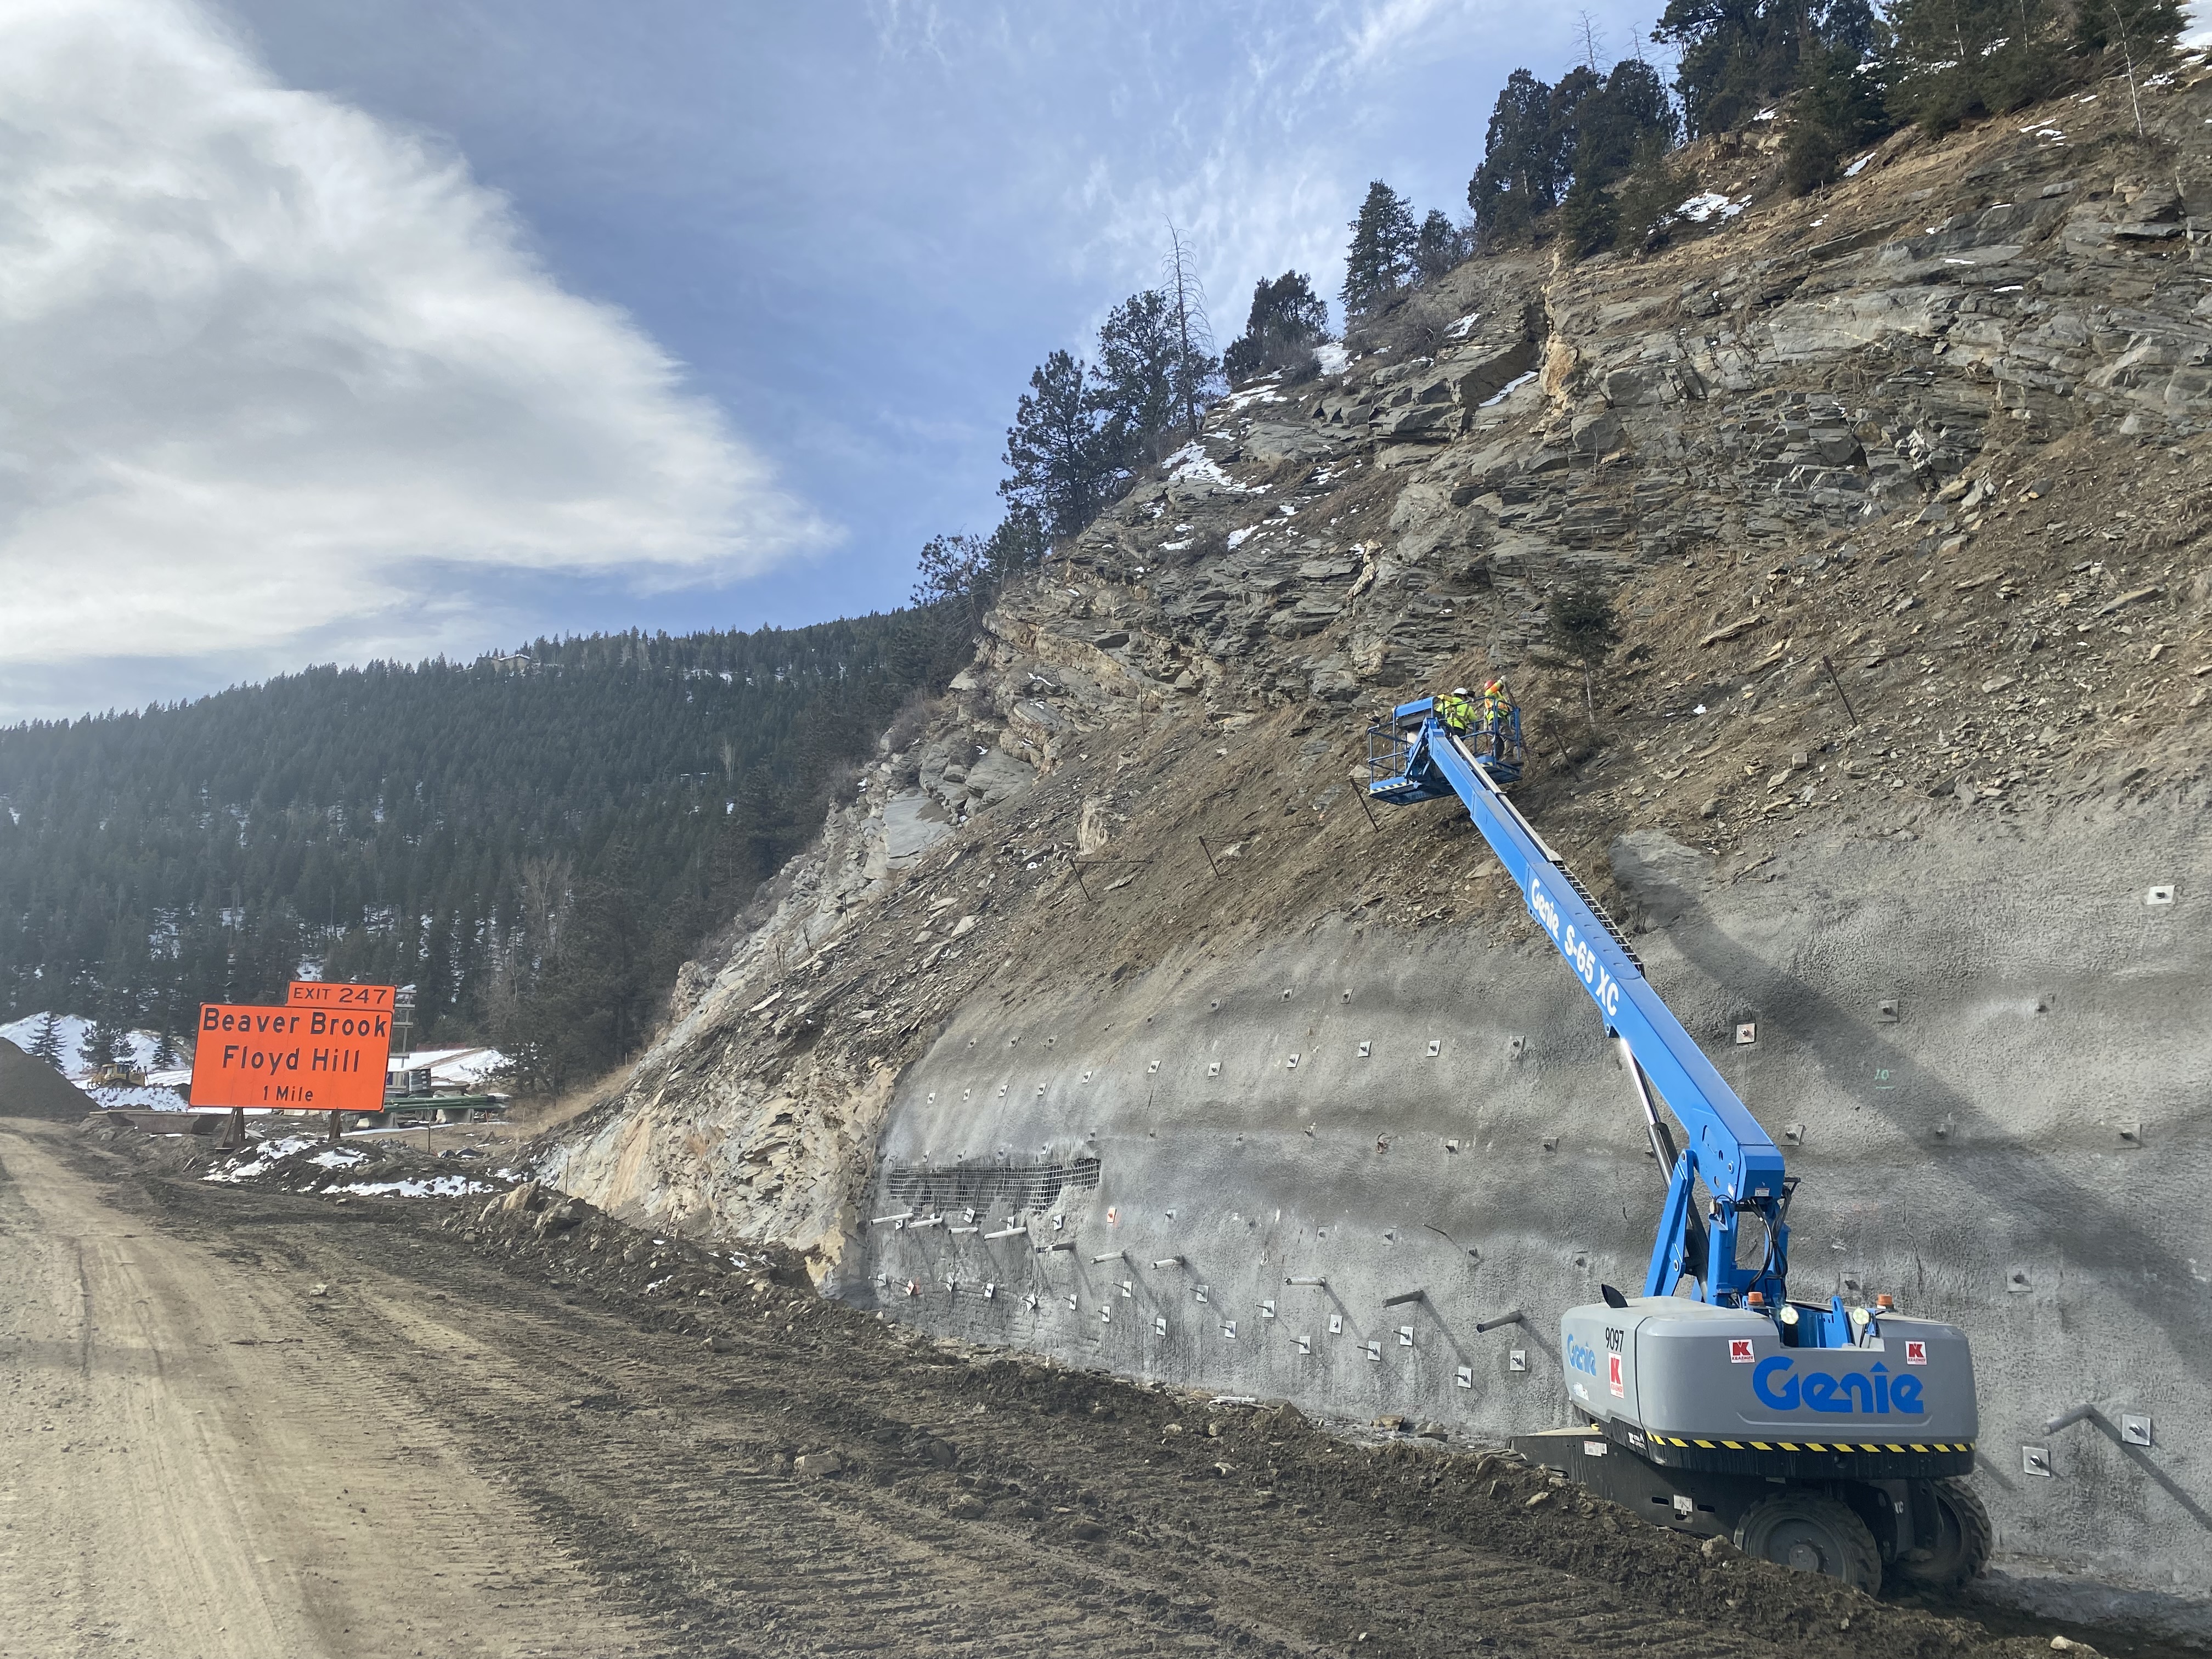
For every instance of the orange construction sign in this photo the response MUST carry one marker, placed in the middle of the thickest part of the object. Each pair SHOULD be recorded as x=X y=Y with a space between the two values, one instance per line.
x=301 y=1060
x=321 y=993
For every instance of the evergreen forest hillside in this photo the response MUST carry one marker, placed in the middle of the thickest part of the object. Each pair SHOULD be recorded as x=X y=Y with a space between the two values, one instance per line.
x=534 y=841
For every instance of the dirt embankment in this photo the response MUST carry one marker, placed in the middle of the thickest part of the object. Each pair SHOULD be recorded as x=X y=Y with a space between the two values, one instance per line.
x=583 y=1439
x=31 y=1088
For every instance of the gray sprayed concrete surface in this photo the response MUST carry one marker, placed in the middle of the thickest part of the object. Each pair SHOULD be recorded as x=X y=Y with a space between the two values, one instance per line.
x=1989 y=1065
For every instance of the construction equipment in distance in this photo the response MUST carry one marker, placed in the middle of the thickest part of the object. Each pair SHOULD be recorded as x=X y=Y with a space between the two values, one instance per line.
x=1833 y=1438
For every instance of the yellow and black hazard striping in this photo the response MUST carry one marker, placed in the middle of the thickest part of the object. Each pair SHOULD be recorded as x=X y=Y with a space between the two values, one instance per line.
x=1814 y=1446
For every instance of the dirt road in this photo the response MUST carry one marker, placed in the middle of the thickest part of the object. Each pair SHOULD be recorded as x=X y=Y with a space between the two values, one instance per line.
x=195 y=1462
x=246 y=1423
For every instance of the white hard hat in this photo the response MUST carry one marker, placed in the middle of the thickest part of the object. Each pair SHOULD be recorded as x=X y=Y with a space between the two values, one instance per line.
x=1459 y=690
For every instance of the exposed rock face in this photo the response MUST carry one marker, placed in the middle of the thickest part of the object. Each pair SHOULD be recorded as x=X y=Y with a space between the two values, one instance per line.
x=1902 y=493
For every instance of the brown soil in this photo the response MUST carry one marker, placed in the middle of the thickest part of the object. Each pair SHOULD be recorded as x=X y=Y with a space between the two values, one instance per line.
x=267 y=1423
x=31 y=1088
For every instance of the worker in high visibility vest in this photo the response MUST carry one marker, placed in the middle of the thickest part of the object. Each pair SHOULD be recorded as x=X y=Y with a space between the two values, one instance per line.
x=1501 y=720
x=1454 y=710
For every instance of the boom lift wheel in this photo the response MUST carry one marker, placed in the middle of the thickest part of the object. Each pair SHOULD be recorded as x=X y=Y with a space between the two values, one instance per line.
x=1961 y=1547
x=1813 y=1534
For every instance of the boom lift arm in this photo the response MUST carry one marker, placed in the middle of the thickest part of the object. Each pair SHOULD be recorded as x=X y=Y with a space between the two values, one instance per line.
x=1417 y=758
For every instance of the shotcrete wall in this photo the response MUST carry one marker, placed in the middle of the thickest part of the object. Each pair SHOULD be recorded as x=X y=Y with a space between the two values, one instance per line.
x=1985 y=1053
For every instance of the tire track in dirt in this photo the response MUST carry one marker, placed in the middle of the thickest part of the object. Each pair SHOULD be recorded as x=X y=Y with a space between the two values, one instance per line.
x=985 y=1504
x=195 y=1470
x=747 y=1547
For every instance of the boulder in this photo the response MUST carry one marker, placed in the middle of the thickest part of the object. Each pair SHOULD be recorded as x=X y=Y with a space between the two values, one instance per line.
x=1416 y=419
x=1599 y=432
x=559 y=1218
x=1276 y=440
x=997 y=775
x=913 y=824
x=1335 y=685
x=1477 y=378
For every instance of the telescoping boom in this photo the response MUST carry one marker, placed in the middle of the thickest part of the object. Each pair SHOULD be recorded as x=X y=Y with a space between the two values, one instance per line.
x=1417 y=758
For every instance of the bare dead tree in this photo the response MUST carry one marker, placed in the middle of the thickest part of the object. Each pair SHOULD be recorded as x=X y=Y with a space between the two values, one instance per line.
x=2127 y=57
x=1586 y=31
x=1187 y=294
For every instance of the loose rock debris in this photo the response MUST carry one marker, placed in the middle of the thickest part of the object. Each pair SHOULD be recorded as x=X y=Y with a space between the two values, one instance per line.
x=1905 y=481
x=738 y=1460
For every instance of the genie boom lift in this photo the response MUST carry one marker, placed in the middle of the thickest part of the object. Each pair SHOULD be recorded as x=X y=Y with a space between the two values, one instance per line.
x=1832 y=1439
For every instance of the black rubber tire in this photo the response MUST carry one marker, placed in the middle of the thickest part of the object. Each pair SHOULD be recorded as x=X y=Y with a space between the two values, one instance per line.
x=1812 y=1534
x=1962 y=1546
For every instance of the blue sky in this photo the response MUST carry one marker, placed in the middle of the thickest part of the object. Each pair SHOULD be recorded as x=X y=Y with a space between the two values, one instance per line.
x=435 y=323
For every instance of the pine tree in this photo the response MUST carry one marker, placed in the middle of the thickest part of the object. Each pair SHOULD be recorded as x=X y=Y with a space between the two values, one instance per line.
x=1381 y=257
x=1440 y=246
x=962 y=574
x=1738 y=57
x=1589 y=220
x=1287 y=320
x=46 y=1045
x=1613 y=122
x=1056 y=457
x=1838 y=111
x=1647 y=198
x=2142 y=29
x=1951 y=59
x=1018 y=544
x=105 y=1041
x=1133 y=383
x=1519 y=176
x=954 y=569
x=2138 y=31
x=1572 y=105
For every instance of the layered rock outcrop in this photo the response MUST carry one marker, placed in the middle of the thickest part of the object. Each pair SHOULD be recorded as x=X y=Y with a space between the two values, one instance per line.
x=1900 y=762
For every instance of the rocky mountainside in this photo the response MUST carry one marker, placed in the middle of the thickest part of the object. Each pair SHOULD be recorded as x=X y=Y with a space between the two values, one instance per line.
x=1901 y=495
x=1935 y=443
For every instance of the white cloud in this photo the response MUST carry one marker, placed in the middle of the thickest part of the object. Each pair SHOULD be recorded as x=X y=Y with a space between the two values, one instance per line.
x=1395 y=27
x=276 y=371
x=1275 y=155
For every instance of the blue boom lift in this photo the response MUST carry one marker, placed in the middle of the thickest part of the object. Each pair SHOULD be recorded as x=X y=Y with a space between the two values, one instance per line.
x=1832 y=1439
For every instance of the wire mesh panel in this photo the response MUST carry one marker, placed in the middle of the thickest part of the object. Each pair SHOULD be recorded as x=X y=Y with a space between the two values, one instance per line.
x=1032 y=1184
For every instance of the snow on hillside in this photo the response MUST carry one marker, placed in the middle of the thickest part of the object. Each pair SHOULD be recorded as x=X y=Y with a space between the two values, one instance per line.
x=70 y=1030
x=450 y=1069
x=454 y=1068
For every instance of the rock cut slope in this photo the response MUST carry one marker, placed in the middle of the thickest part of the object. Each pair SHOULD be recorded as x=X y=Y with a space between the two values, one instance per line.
x=1902 y=494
